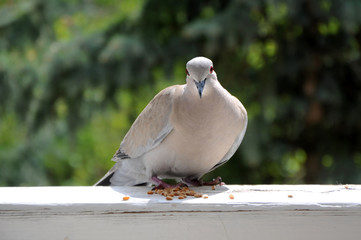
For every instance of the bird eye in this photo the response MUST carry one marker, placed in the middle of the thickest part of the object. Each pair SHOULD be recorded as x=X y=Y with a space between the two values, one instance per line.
x=211 y=69
x=187 y=72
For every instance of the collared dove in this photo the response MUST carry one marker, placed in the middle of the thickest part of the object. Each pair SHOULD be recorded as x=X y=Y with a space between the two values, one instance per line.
x=185 y=132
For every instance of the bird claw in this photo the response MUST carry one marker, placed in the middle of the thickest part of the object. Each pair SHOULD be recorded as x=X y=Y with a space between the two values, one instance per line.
x=199 y=182
x=164 y=185
x=216 y=181
x=186 y=182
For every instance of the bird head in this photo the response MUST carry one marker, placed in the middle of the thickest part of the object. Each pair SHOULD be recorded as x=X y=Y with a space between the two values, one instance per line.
x=200 y=70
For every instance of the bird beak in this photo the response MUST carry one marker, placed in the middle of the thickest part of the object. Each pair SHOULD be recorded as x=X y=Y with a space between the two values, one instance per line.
x=200 y=86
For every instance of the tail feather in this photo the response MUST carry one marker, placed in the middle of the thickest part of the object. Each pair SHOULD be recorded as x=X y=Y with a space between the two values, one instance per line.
x=125 y=172
x=105 y=180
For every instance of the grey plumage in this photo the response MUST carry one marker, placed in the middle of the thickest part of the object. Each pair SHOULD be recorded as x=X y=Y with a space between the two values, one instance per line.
x=184 y=132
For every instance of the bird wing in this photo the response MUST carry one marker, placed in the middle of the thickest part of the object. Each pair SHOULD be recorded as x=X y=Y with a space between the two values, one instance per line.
x=151 y=126
x=240 y=137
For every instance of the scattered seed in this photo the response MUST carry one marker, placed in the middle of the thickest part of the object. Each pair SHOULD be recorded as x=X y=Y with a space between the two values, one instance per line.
x=205 y=196
x=290 y=196
x=180 y=192
x=198 y=195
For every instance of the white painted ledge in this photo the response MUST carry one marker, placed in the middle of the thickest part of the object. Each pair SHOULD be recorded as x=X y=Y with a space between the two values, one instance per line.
x=246 y=197
x=256 y=212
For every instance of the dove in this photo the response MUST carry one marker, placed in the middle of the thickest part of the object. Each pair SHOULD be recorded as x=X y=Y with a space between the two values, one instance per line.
x=184 y=132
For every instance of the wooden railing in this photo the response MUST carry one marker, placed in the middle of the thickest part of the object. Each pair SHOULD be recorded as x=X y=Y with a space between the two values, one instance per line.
x=228 y=212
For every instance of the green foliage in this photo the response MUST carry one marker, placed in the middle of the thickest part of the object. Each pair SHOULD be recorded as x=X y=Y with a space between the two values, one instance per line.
x=75 y=74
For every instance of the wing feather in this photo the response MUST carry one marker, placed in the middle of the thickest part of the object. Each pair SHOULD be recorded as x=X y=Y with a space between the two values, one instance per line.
x=150 y=128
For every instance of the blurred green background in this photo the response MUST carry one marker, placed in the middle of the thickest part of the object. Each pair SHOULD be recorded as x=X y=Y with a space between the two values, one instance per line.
x=74 y=75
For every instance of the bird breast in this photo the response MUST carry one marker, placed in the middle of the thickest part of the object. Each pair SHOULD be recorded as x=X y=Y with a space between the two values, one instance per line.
x=202 y=135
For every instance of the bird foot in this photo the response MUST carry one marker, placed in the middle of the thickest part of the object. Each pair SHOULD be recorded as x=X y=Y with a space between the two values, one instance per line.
x=199 y=182
x=164 y=185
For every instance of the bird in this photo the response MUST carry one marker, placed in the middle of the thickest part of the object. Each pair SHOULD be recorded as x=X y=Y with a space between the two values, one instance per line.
x=183 y=133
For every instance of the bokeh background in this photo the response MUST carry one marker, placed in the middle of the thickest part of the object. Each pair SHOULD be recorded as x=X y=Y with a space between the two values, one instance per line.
x=74 y=75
